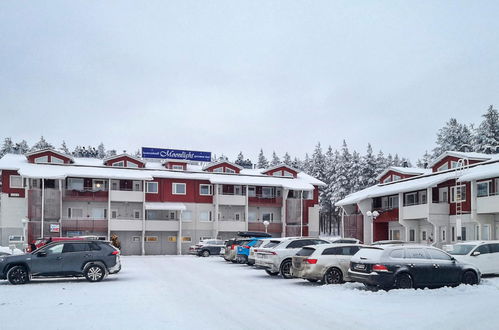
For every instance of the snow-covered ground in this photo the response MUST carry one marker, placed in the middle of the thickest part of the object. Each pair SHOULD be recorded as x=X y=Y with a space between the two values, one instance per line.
x=187 y=292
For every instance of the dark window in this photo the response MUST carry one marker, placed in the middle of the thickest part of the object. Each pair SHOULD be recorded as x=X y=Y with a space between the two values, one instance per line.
x=305 y=252
x=271 y=244
x=463 y=233
x=494 y=248
x=95 y=247
x=438 y=255
x=331 y=251
x=415 y=254
x=349 y=250
x=483 y=249
x=299 y=244
x=319 y=241
x=76 y=247
x=258 y=243
x=412 y=235
x=398 y=254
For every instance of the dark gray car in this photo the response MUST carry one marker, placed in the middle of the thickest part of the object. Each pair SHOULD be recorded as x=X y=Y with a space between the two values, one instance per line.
x=92 y=259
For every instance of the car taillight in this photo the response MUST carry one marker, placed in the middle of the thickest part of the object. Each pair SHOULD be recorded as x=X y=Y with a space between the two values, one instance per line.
x=116 y=252
x=232 y=246
x=311 y=261
x=380 y=268
x=246 y=246
x=273 y=253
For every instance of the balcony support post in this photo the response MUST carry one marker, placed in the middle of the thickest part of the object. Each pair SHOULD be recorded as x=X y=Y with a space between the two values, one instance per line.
x=283 y=211
x=301 y=213
x=143 y=246
x=43 y=208
x=216 y=212
x=179 y=238
x=109 y=210
x=60 y=206
x=246 y=210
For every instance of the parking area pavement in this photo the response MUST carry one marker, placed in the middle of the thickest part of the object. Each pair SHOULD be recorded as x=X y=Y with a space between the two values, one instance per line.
x=172 y=292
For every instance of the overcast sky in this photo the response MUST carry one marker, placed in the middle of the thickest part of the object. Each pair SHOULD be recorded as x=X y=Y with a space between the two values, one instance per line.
x=225 y=76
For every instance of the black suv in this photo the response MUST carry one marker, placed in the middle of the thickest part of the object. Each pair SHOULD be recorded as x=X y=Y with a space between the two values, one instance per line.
x=409 y=266
x=92 y=259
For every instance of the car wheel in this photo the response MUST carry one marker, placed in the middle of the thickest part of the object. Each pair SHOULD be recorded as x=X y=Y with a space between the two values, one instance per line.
x=470 y=278
x=404 y=281
x=286 y=269
x=271 y=273
x=94 y=273
x=333 y=276
x=18 y=275
x=206 y=253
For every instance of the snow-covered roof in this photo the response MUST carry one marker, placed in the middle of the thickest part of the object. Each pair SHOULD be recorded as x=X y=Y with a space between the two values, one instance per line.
x=212 y=164
x=404 y=170
x=405 y=185
x=278 y=166
x=36 y=152
x=481 y=171
x=165 y=206
x=459 y=154
x=93 y=168
x=123 y=155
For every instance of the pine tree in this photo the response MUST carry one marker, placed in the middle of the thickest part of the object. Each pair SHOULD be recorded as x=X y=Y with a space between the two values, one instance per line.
x=306 y=165
x=110 y=153
x=396 y=161
x=275 y=160
x=454 y=136
x=368 y=169
x=297 y=163
x=342 y=180
x=286 y=159
x=262 y=161
x=223 y=158
x=101 y=151
x=42 y=144
x=329 y=167
x=424 y=162
x=246 y=163
x=381 y=163
x=64 y=148
x=486 y=138
x=21 y=148
x=318 y=171
x=7 y=147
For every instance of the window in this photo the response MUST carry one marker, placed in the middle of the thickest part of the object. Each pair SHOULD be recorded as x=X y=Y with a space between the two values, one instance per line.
x=396 y=177
x=395 y=234
x=329 y=252
x=205 y=189
x=422 y=197
x=494 y=248
x=415 y=254
x=397 y=254
x=443 y=195
x=98 y=185
x=277 y=173
x=393 y=202
x=287 y=173
x=56 y=160
x=136 y=239
x=238 y=190
x=151 y=238
x=99 y=213
x=152 y=188
x=298 y=244
x=237 y=216
x=229 y=170
x=136 y=214
x=411 y=199
x=268 y=216
x=438 y=255
x=218 y=169
x=483 y=188
x=76 y=247
x=178 y=188
x=458 y=194
x=251 y=191
x=483 y=249
x=186 y=239
x=443 y=167
x=177 y=167
x=74 y=213
x=137 y=186
x=388 y=179
x=187 y=216
x=56 y=249
x=412 y=235
x=119 y=164
x=463 y=233
x=172 y=238
x=267 y=192
x=423 y=235
x=485 y=232
x=75 y=184
x=115 y=185
x=173 y=215
x=16 y=181
x=43 y=159
x=453 y=234
x=131 y=164
x=205 y=216
x=454 y=164
x=114 y=214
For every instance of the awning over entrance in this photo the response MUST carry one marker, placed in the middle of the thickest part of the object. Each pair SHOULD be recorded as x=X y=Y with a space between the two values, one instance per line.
x=165 y=206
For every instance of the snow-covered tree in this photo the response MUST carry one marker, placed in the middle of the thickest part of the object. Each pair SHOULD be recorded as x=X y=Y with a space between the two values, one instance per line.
x=342 y=179
x=286 y=159
x=223 y=158
x=64 y=148
x=396 y=161
x=424 y=162
x=369 y=169
x=246 y=163
x=306 y=164
x=486 y=138
x=297 y=163
x=453 y=136
x=381 y=163
x=7 y=147
x=101 y=151
x=42 y=144
x=111 y=153
x=262 y=161
x=21 y=148
x=275 y=160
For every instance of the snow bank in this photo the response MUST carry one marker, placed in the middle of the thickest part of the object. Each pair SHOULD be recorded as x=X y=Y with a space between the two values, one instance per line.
x=8 y=250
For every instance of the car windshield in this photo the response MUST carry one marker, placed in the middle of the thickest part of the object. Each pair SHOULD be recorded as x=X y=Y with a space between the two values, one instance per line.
x=461 y=249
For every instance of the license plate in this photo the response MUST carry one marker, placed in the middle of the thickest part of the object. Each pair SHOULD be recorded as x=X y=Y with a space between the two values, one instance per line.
x=360 y=267
x=222 y=251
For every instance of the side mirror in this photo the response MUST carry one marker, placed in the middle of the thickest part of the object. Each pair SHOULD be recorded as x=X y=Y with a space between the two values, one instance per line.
x=41 y=254
x=475 y=253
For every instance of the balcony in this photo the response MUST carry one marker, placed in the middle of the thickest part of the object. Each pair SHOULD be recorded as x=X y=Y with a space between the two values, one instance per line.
x=89 y=225
x=487 y=204
x=387 y=215
x=162 y=225
x=125 y=225
x=230 y=199
x=265 y=200
x=127 y=196
x=85 y=195
x=231 y=225
x=422 y=211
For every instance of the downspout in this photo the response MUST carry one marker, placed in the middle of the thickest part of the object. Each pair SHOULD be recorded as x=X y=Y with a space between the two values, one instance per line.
x=179 y=239
x=43 y=207
x=109 y=210
x=216 y=211
x=301 y=213
x=246 y=211
x=143 y=217
x=60 y=206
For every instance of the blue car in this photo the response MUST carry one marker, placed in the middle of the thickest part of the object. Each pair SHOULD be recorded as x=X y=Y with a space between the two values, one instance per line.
x=244 y=250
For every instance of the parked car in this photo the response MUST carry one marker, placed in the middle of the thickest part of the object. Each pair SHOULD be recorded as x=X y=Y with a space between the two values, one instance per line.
x=482 y=254
x=243 y=250
x=39 y=242
x=409 y=266
x=278 y=259
x=230 y=249
x=340 y=240
x=328 y=263
x=92 y=259
x=387 y=242
x=260 y=243
x=207 y=247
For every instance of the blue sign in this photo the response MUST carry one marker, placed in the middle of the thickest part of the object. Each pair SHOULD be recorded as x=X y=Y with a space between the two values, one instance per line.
x=200 y=156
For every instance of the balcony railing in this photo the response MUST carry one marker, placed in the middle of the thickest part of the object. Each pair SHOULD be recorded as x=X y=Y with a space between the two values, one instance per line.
x=496 y=193
x=265 y=199
x=86 y=194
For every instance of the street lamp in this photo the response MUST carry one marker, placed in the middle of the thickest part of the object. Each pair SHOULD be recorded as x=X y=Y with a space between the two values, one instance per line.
x=25 y=221
x=372 y=215
x=266 y=224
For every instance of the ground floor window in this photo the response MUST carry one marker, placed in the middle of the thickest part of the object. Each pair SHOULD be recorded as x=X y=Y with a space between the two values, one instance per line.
x=453 y=232
x=172 y=238
x=135 y=238
x=186 y=239
x=463 y=233
x=151 y=238
x=412 y=235
x=268 y=217
x=187 y=216
x=205 y=216
x=423 y=235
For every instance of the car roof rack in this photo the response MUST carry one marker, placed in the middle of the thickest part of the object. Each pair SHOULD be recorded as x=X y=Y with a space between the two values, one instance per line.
x=253 y=234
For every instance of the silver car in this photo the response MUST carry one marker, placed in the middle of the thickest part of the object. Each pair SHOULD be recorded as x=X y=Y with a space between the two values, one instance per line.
x=325 y=262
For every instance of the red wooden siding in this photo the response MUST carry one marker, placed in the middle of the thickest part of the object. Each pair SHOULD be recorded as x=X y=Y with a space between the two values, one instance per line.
x=125 y=159
x=165 y=187
x=6 y=174
x=223 y=165
x=282 y=168
x=49 y=154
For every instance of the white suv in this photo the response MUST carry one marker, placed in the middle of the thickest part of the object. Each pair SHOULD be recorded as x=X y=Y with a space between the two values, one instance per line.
x=278 y=259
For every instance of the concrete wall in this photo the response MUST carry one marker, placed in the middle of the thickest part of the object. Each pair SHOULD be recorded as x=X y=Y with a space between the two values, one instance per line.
x=12 y=210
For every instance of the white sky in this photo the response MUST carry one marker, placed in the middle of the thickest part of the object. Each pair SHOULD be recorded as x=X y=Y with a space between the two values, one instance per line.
x=225 y=76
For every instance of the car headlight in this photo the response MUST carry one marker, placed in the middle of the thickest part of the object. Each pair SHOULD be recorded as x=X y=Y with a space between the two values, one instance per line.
x=2 y=259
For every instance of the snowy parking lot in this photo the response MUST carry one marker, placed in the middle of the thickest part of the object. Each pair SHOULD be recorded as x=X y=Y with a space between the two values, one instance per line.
x=170 y=292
